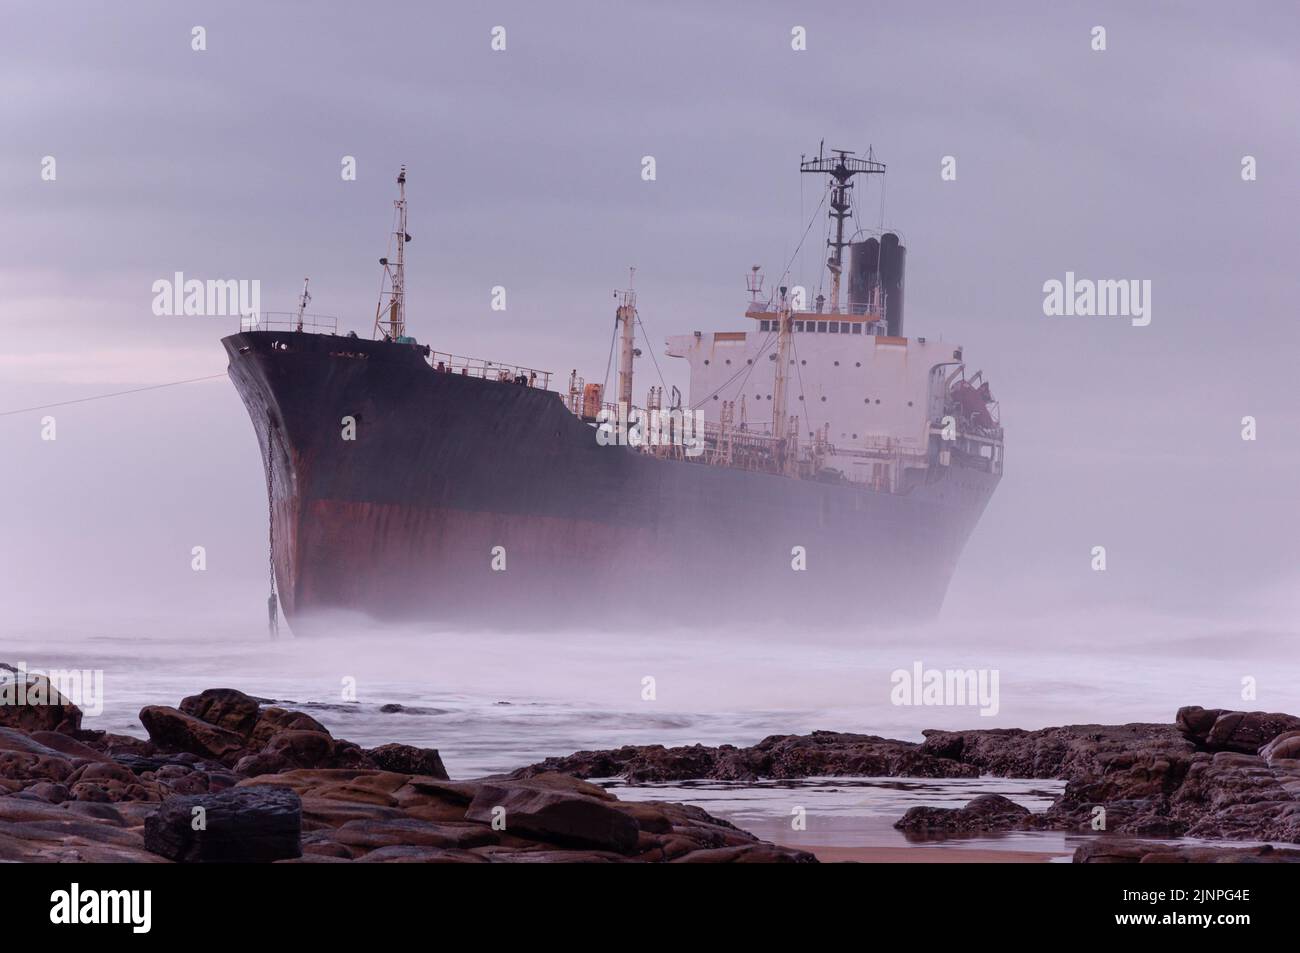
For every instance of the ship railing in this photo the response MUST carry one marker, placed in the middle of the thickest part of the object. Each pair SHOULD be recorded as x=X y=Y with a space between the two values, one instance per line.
x=289 y=321
x=489 y=370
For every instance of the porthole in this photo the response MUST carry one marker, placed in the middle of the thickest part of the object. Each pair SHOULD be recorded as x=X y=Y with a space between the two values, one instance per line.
x=706 y=362
x=823 y=400
x=858 y=364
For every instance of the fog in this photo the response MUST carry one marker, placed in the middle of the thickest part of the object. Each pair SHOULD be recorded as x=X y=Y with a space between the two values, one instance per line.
x=524 y=170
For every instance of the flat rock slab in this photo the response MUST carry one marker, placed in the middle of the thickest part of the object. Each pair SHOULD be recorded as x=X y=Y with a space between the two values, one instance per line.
x=242 y=825
x=1107 y=850
x=559 y=817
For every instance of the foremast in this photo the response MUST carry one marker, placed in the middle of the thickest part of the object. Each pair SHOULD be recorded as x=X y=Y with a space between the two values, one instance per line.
x=390 y=315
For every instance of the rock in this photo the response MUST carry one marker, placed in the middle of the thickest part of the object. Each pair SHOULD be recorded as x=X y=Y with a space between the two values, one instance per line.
x=226 y=708
x=174 y=730
x=243 y=825
x=24 y=766
x=272 y=721
x=68 y=746
x=1106 y=850
x=406 y=759
x=988 y=812
x=302 y=749
x=541 y=855
x=556 y=816
x=421 y=855
x=748 y=854
x=30 y=702
x=1286 y=745
x=47 y=791
x=821 y=753
x=1245 y=732
x=367 y=834
x=1071 y=751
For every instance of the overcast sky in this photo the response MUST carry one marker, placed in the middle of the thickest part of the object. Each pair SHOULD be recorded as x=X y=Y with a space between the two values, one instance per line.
x=525 y=171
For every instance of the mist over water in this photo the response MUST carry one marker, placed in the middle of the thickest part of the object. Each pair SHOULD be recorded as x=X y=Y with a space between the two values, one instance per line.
x=494 y=701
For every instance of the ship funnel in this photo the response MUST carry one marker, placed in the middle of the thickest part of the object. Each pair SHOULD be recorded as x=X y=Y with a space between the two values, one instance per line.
x=876 y=279
x=893 y=258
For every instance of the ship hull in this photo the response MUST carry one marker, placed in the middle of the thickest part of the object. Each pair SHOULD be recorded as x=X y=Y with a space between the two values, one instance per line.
x=410 y=494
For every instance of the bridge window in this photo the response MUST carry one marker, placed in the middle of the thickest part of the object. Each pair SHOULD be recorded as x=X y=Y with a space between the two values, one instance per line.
x=857 y=328
x=821 y=327
x=835 y=327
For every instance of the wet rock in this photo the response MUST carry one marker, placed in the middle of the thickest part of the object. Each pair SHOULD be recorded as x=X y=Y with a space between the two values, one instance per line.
x=31 y=702
x=273 y=721
x=244 y=825
x=68 y=746
x=23 y=766
x=748 y=854
x=549 y=855
x=301 y=749
x=226 y=708
x=1106 y=850
x=366 y=834
x=821 y=753
x=406 y=759
x=1071 y=751
x=46 y=791
x=15 y=740
x=988 y=812
x=1284 y=746
x=1217 y=729
x=556 y=816
x=174 y=730
x=421 y=855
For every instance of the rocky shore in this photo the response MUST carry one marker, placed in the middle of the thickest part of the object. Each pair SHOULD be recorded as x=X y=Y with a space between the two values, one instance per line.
x=1211 y=774
x=229 y=777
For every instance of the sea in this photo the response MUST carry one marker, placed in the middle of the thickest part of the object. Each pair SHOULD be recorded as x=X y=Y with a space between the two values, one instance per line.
x=493 y=701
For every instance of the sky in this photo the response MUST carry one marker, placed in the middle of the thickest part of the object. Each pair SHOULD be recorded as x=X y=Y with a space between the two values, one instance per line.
x=525 y=171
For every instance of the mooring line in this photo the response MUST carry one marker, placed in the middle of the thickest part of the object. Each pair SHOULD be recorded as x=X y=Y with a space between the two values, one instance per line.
x=120 y=393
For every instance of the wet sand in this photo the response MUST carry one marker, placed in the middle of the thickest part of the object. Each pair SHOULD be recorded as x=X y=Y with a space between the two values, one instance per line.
x=928 y=855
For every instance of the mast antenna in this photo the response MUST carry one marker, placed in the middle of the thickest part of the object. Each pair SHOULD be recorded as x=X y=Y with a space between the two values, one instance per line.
x=303 y=301
x=390 y=316
x=841 y=165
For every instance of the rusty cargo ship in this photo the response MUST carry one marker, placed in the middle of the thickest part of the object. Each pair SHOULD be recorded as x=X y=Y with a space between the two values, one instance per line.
x=823 y=466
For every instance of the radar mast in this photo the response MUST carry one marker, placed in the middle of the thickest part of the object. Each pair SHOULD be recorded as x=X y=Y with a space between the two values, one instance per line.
x=841 y=166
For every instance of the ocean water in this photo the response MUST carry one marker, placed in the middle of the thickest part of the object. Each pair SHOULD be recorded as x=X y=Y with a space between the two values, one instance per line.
x=494 y=701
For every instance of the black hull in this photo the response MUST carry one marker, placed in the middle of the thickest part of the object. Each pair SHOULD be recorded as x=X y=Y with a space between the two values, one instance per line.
x=402 y=522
